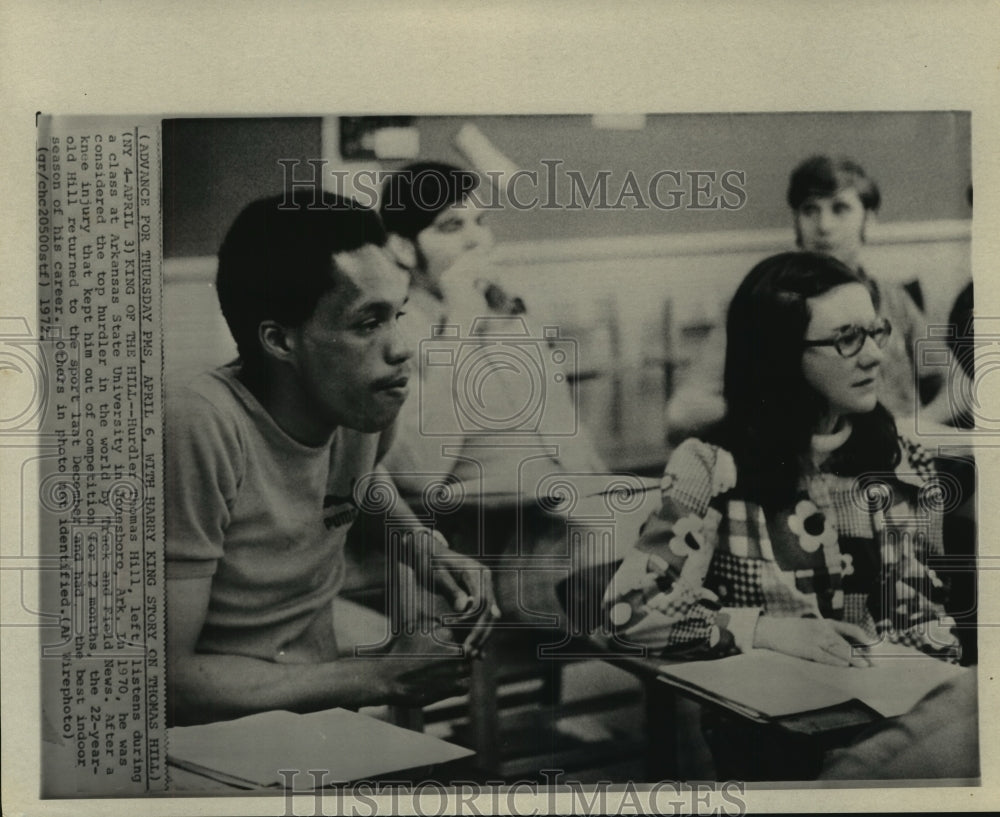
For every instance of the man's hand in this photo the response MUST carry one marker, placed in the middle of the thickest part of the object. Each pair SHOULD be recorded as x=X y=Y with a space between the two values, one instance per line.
x=422 y=681
x=823 y=640
x=462 y=580
x=206 y=687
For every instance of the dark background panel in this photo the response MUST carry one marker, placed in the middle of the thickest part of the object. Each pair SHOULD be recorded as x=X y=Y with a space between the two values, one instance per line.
x=213 y=167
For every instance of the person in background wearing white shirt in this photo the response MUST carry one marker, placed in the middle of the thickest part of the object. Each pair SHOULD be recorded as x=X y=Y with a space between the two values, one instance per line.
x=520 y=426
x=440 y=234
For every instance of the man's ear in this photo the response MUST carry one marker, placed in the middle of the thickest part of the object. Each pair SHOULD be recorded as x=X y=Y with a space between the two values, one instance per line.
x=404 y=250
x=276 y=340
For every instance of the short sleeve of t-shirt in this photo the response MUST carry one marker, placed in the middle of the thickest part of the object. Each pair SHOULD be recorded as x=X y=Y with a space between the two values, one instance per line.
x=203 y=469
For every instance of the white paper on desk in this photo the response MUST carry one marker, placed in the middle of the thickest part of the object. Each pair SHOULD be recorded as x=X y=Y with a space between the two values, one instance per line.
x=775 y=684
x=349 y=746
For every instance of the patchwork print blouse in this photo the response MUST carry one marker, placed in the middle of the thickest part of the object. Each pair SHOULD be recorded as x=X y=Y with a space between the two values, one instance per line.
x=708 y=562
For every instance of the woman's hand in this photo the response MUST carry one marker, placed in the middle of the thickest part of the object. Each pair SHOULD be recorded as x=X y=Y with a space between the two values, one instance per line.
x=815 y=639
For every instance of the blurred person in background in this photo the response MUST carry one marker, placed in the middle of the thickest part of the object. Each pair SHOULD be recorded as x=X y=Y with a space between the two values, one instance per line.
x=520 y=428
x=440 y=234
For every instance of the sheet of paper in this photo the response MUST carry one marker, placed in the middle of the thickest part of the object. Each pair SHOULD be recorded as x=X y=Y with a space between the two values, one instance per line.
x=899 y=678
x=776 y=685
x=768 y=682
x=347 y=745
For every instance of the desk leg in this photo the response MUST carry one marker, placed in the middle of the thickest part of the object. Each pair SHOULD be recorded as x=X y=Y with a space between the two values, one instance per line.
x=661 y=732
x=551 y=692
x=483 y=712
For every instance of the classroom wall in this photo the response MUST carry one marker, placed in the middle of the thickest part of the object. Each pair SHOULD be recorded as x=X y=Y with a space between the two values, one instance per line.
x=211 y=167
x=921 y=161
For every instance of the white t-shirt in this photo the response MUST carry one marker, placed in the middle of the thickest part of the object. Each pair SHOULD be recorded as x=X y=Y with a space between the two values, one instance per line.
x=262 y=514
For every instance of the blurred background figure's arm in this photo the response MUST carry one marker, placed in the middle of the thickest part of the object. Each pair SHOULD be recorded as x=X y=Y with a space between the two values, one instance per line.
x=955 y=404
x=697 y=402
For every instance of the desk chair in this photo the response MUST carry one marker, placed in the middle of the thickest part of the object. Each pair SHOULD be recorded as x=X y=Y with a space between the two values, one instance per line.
x=668 y=733
x=516 y=697
x=581 y=595
x=792 y=747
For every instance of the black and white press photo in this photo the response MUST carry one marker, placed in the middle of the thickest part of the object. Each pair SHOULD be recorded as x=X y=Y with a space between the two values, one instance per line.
x=540 y=451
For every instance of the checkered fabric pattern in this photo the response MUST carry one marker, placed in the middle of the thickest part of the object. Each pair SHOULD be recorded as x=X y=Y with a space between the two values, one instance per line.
x=697 y=627
x=690 y=470
x=737 y=558
x=918 y=457
x=736 y=581
x=782 y=596
x=677 y=603
x=745 y=531
x=856 y=612
x=851 y=519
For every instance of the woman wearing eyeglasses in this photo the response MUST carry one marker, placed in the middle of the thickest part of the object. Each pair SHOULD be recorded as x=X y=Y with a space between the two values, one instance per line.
x=802 y=522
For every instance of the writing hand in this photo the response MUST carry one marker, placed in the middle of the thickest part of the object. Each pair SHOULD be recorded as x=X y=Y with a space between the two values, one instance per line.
x=814 y=639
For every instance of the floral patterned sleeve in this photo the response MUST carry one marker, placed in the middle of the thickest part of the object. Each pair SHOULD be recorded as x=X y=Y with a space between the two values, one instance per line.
x=912 y=594
x=657 y=598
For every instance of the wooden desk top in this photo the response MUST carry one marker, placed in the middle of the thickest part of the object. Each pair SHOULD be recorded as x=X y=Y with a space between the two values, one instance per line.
x=831 y=724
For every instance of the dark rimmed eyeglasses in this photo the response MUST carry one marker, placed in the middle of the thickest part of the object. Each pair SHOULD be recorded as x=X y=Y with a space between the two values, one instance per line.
x=851 y=340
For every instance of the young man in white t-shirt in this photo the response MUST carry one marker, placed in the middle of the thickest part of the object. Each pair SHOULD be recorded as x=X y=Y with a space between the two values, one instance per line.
x=263 y=461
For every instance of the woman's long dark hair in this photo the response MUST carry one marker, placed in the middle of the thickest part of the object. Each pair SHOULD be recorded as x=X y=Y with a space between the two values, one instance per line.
x=772 y=412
